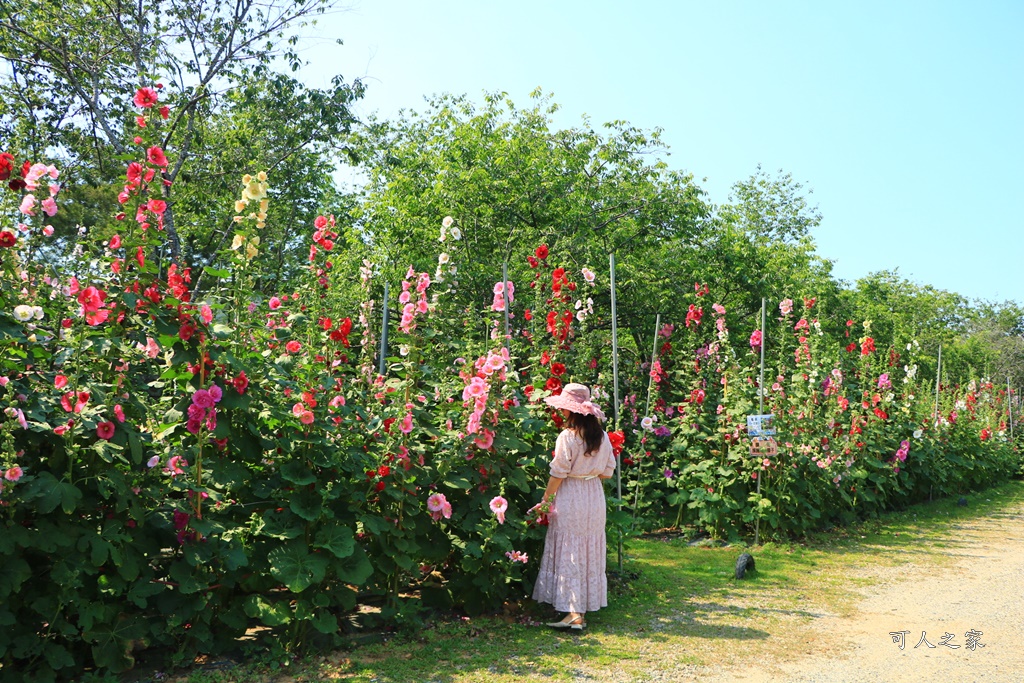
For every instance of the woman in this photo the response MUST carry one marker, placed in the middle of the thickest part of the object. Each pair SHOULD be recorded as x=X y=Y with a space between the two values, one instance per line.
x=572 y=574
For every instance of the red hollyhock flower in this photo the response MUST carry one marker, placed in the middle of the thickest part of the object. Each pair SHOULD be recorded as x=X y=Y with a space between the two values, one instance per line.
x=532 y=261
x=851 y=347
x=7 y=239
x=241 y=382
x=164 y=112
x=867 y=346
x=528 y=314
x=554 y=385
x=541 y=252
x=618 y=440
x=557 y=369
x=105 y=430
x=6 y=165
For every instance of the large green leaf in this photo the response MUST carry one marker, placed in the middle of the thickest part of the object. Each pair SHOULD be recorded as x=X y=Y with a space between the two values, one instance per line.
x=307 y=504
x=14 y=571
x=338 y=540
x=295 y=567
x=297 y=473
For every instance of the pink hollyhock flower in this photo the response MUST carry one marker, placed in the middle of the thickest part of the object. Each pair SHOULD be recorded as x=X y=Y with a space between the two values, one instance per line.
x=48 y=230
x=718 y=308
x=404 y=297
x=755 y=339
x=883 y=381
x=786 y=306
x=216 y=393
x=151 y=349
x=293 y=346
x=406 y=426
x=49 y=206
x=275 y=303
x=60 y=381
x=13 y=474
x=194 y=426
x=498 y=506
x=155 y=156
x=105 y=430
x=175 y=465
x=28 y=205
x=206 y=313
x=517 y=556
x=153 y=462
x=485 y=440
x=119 y=413
x=145 y=97
x=307 y=417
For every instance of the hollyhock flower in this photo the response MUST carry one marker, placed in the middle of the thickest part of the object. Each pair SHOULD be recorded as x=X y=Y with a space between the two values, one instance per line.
x=588 y=275
x=145 y=97
x=240 y=383
x=175 y=464
x=867 y=346
x=307 y=417
x=647 y=423
x=49 y=206
x=718 y=308
x=786 y=306
x=153 y=462
x=60 y=381
x=165 y=112
x=883 y=381
x=918 y=433
x=485 y=440
x=541 y=252
x=456 y=233
x=668 y=473
x=517 y=556
x=293 y=346
x=13 y=474
x=7 y=239
x=155 y=156
x=119 y=413
x=216 y=393
x=406 y=425
x=801 y=324
x=206 y=313
x=447 y=222
x=22 y=313
x=202 y=398
x=662 y=431
x=105 y=430
x=498 y=506
x=28 y=205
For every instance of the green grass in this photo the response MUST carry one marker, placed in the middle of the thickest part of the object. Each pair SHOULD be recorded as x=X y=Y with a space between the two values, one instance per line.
x=678 y=606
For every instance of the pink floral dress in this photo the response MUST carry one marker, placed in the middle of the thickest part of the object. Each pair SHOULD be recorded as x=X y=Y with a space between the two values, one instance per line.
x=572 y=570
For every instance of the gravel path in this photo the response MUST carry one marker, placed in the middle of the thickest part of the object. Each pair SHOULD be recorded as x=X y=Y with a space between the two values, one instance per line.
x=981 y=590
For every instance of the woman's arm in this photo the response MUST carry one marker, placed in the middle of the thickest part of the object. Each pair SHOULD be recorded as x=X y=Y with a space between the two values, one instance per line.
x=549 y=492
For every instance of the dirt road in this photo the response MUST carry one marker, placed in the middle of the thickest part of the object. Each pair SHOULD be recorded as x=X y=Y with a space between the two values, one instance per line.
x=958 y=621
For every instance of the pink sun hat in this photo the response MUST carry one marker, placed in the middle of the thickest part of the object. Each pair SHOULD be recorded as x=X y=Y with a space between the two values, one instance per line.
x=575 y=397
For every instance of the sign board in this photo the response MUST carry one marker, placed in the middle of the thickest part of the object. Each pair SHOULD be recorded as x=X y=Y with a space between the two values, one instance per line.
x=760 y=425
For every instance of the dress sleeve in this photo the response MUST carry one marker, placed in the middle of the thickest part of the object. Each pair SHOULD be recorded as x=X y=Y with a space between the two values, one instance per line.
x=561 y=464
x=609 y=468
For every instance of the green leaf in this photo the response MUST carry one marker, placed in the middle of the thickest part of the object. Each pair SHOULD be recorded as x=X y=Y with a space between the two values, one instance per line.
x=338 y=540
x=296 y=568
x=112 y=643
x=270 y=613
x=135 y=444
x=297 y=473
x=14 y=571
x=354 y=569
x=307 y=505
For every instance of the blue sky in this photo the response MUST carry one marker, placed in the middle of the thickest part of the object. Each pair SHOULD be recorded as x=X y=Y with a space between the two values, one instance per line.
x=904 y=118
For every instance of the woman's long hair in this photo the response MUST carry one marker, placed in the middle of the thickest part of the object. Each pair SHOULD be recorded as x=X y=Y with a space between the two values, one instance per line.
x=588 y=427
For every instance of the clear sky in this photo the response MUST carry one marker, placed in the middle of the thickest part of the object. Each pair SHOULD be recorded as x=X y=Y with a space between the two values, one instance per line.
x=904 y=118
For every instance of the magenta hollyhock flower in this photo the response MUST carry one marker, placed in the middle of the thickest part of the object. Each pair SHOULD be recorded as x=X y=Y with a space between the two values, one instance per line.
x=883 y=381
x=755 y=339
x=194 y=426
x=216 y=393
x=105 y=430
x=202 y=398
x=407 y=423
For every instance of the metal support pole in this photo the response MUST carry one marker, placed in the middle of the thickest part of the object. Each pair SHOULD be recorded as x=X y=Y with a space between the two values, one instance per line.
x=938 y=380
x=508 y=298
x=760 y=411
x=384 y=332
x=615 y=397
x=1009 y=407
x=654 y=355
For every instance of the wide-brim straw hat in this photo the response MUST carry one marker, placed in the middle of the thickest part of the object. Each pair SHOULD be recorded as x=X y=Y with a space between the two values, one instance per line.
x=576 y=398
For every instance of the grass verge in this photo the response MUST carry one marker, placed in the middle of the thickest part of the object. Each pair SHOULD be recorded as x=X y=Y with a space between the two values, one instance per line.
x=675 y=608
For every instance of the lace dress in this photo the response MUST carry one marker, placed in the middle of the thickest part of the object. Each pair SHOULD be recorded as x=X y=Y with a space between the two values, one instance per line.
x=572 y=570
